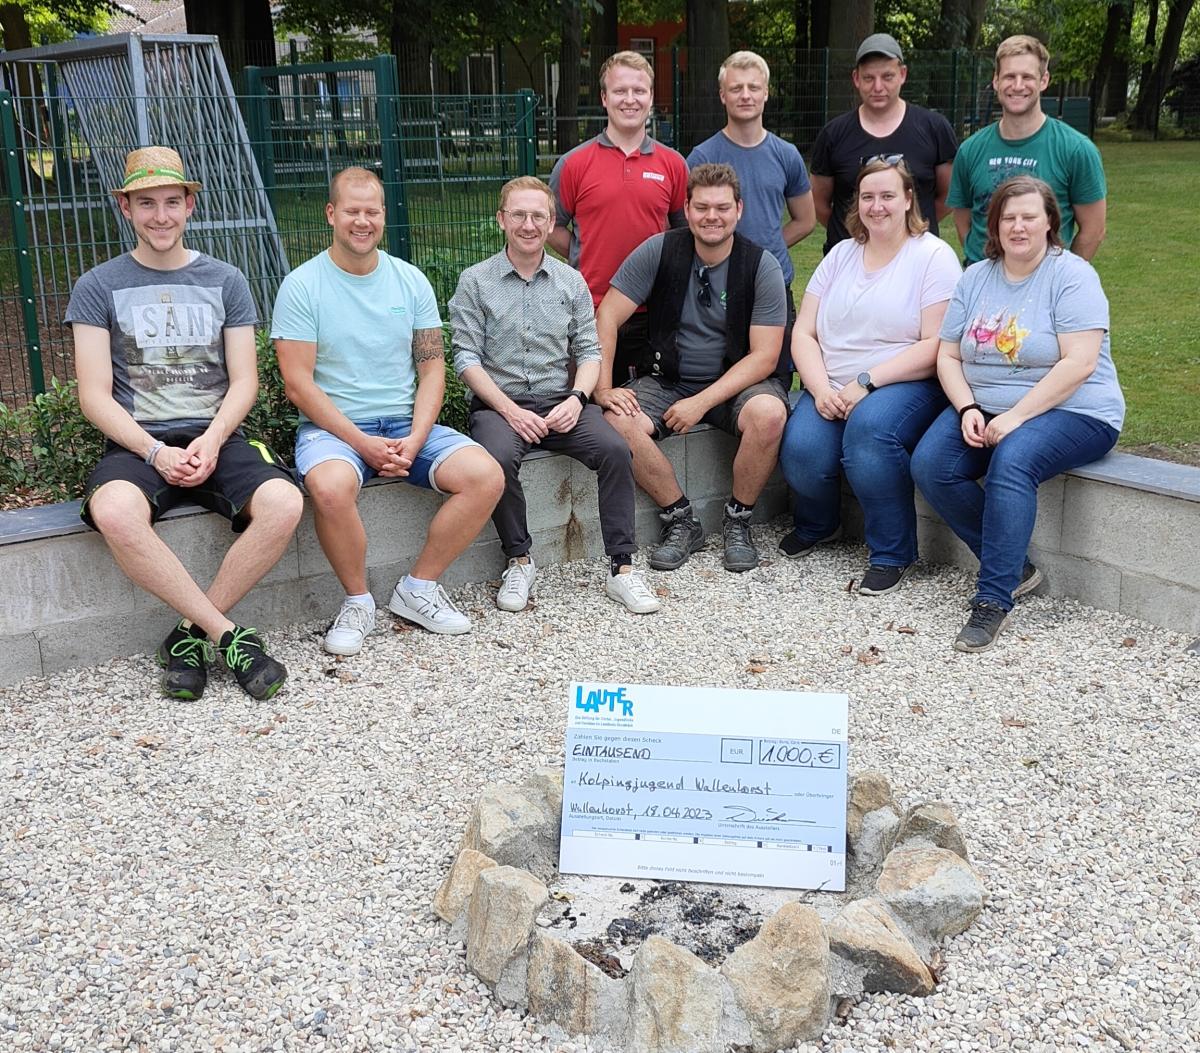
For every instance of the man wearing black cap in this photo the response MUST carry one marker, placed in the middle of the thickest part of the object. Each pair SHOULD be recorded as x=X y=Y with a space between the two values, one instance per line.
x=885 y=126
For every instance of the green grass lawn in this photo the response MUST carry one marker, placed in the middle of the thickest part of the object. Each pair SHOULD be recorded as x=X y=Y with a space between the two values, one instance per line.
x=1148 y=264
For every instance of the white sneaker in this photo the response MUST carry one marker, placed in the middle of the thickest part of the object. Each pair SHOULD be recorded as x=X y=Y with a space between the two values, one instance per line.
x=516 y=586
x=354 y=622
x=431 y=610
x=631 y=590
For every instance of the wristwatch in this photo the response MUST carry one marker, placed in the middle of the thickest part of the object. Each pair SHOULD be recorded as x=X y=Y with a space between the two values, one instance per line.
x=864 y=379
x=583 y=399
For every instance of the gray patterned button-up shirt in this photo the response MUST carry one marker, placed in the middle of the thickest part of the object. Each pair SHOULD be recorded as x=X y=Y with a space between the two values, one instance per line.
x=527 y=335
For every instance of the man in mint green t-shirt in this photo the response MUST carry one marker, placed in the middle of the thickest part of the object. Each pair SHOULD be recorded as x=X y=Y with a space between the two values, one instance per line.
x=1026 y=142
x=359 y=339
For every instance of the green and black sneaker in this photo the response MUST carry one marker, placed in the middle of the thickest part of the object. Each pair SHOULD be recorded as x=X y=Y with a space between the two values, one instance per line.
x=184 y=656
x=245 y=653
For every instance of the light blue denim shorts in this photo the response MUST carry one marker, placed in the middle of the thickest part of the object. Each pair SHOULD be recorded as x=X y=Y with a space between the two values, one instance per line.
x=315 y=446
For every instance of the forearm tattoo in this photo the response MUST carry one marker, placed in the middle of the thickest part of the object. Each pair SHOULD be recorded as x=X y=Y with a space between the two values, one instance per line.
x=426 y=345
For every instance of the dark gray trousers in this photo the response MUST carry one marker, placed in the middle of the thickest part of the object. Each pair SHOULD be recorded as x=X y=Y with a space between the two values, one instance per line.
x=592 y=442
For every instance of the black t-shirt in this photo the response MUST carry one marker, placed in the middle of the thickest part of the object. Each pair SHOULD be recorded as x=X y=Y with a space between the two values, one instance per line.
x=924 y=139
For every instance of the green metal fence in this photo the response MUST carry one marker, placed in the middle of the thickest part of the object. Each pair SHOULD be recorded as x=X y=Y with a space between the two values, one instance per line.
x=441 y=157
x=442 y=161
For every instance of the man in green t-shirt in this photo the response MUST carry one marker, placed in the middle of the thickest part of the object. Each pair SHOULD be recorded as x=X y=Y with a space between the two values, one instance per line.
x=1025 y=142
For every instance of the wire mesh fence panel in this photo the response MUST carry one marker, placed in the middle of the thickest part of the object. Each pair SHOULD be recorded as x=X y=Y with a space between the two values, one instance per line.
x=76 y=111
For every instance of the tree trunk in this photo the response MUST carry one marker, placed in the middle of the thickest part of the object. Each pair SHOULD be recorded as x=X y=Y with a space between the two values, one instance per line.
x=244 y=28
x=602 y=38
x=411 y=39
x=604 y=30
x=1116 y=92
x=1148 y=42
x=850 y=22
x=801 y=16
x=960 y=24
x=570 y=50
x=1108 y=47
x=707 y=48
x=1150 y=98
x=819 y=34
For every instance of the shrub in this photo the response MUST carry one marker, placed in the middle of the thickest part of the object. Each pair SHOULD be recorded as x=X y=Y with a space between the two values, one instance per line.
x=65 y=445
x=48 y=446
x=272 y=419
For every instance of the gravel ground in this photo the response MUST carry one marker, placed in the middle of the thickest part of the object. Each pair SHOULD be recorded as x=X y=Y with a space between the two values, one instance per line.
x=241 y=876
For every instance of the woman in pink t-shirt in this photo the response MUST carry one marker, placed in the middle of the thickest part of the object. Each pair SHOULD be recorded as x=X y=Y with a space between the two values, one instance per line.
x=865 y=346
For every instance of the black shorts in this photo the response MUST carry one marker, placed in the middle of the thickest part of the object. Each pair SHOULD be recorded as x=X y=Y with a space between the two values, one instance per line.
x=242 y=467
x=656 y=395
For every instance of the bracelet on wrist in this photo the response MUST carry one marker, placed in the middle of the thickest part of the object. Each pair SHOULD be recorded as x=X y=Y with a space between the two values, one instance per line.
x=153 y=451
x=970 y=406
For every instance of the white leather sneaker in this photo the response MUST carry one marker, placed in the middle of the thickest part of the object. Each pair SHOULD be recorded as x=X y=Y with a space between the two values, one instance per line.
x=431 y=610
x=631 y=590
x=516 y=586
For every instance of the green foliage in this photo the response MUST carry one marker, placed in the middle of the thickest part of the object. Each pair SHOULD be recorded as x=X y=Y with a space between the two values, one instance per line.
x=470 y=242
x=52 y=21
x=455 y=406
x=16 y=468
x=272 y=419
x=48 y=444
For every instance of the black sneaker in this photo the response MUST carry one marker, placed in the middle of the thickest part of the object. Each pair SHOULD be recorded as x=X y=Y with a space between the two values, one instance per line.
x=982 y=628
x=879 y=579
x=793 y=547
x=245 y=653
x=184 y=656
x=740 y=553
x=682 y=535
x=1031 y=578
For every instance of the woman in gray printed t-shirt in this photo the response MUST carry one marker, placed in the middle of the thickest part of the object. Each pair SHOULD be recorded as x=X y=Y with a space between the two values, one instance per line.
x=1025 y=363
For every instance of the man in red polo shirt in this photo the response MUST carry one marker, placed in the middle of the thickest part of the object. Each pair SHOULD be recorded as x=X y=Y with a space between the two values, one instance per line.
x=616 y=190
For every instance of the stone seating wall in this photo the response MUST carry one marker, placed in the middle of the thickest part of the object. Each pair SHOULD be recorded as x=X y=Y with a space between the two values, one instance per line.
x=1119 y=534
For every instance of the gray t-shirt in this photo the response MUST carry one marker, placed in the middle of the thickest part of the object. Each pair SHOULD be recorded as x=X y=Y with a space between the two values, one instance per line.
x=702 y=328
x=165 y=333
x=1007 y=333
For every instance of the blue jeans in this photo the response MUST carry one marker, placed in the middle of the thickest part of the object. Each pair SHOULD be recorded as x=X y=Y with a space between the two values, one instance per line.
x=996 y=521
x=873 y=447
x=315 y=446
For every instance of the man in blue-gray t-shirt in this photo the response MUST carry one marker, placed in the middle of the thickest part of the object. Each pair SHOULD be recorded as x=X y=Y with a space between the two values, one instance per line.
x=167 y=370
x=359 y=339
x=770 y=170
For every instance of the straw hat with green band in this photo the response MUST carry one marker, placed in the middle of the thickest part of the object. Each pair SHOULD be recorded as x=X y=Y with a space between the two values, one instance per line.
x=151 y=166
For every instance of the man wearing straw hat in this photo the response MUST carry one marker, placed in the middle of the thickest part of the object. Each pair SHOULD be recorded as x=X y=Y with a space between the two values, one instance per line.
x=165 y=358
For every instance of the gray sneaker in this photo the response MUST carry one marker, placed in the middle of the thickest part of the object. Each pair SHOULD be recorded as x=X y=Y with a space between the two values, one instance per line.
x=1031 y=578
x=682 y=535
x=740 y=553
x=982 y=628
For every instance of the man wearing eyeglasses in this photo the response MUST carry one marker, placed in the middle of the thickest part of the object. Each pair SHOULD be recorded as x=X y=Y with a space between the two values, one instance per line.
x=525 y=344
x=884 y=126
x=716 y=311
x=617 y=189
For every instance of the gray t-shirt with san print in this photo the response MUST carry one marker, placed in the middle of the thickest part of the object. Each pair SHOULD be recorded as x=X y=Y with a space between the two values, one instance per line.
x=166 y=333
